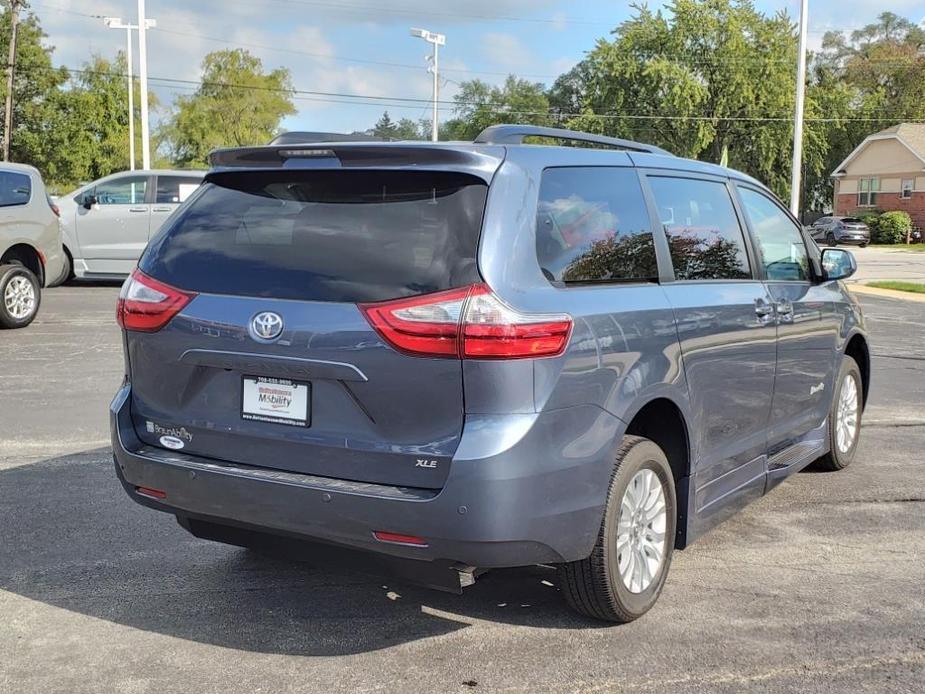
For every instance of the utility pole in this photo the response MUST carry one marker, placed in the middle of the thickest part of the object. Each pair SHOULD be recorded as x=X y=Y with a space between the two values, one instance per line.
x=117 y=23
x=436 y=40
x=15 y=7
x=143 y=85
x=797 y=166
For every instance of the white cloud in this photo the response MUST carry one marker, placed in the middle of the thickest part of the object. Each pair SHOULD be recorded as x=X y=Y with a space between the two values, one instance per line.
x=507 y=51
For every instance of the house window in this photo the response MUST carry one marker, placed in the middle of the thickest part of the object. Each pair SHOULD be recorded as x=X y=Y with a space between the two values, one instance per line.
x=867 y=192
x=908 y=185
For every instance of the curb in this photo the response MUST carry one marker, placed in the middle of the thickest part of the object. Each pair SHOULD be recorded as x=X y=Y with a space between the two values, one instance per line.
x=886 y=293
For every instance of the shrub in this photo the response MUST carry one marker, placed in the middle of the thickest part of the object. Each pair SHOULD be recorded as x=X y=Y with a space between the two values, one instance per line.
x=892 y=227
x=870 y=219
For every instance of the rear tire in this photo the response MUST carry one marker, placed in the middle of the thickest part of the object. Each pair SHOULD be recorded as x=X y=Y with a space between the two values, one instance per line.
x=844 y=418
x=830 y=240
x=20 y=296
x=608 y=584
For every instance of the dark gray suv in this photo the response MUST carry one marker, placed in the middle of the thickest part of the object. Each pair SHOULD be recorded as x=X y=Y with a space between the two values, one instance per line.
x=845 y=230
x=446 y=358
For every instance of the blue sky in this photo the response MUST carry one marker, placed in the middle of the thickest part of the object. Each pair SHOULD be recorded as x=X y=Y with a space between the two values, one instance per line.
x=338 y=46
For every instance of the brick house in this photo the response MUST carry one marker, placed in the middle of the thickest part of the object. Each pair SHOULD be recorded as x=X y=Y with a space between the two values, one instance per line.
x=885 y=172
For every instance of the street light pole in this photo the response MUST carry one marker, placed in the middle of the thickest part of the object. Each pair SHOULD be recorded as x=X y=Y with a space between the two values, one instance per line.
x=143 y=84
x=131 y=99
x=15 y=7
x=797 y=166
x=436 y=40
x=117 y=23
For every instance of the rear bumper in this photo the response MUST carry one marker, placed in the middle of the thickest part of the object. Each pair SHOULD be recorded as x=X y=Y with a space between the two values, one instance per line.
x=514 y=496
x=853 y=240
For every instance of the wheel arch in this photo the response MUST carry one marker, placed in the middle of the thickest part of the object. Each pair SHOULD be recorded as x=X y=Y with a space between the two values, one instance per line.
x=858 y=349
x=27 y=255
x=662 y=421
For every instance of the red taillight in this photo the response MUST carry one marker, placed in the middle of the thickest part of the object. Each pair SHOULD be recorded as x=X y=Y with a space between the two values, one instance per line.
x=56 y=210
x=470 y=322
x=397 y=539
x=147 y=305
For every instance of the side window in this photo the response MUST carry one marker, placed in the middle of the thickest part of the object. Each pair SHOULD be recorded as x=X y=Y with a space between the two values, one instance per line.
x=175 y=189
x=592 y=226
x=123 y=191
x=780 y=244
x=703 y=231
x=15 y=189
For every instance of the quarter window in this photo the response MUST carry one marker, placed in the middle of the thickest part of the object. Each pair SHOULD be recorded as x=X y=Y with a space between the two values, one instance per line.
x=175 y=189
x=780 y=244
x=122 y=191
x=15 y=189
x=867 y=192
x=592 y=226
x=703 y=231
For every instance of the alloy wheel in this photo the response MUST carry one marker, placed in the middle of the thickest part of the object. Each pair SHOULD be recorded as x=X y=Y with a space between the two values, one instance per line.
x=641 y=531
x=19 y=297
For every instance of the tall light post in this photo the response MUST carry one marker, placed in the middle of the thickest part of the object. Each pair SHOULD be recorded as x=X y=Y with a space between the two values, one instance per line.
x=796 y=170
x=143 y=85
x=117 y=23
x=436 y=40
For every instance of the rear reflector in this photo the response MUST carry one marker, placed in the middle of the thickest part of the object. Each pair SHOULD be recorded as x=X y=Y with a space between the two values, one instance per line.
x=397 y=539
x=147 y=305
x=467 y=323
x=151 y=493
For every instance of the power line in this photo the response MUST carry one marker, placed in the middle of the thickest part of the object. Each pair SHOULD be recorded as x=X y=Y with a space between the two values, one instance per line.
x=414 y=103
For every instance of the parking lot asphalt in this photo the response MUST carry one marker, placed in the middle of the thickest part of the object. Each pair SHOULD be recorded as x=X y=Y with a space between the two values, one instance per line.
x=819 y=586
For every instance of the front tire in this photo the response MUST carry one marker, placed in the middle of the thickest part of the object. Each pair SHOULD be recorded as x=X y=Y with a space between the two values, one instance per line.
x=830 y=240
x=844 y=418
x=20 y=296
x=624 y=575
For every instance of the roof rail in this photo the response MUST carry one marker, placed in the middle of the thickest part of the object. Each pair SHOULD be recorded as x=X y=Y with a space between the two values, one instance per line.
x=515 y=135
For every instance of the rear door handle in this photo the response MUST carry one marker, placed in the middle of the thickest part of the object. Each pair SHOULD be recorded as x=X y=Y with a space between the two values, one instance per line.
x=138 y=209
x=161 y=209
x=785 y=311
x=765 y=312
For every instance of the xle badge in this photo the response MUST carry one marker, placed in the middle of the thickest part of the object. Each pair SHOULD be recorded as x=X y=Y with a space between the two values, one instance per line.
x=423 y=462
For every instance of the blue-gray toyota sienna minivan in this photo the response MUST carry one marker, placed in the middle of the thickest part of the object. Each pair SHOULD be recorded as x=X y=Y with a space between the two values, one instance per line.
x=446 y=358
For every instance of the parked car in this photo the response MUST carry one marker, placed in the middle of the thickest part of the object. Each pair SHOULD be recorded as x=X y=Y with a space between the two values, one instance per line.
x=840 y=230
x=31 y=256
x=456 y=357
x=107 y=223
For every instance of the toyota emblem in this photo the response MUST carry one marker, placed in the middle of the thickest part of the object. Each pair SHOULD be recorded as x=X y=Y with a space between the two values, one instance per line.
x=266 y=326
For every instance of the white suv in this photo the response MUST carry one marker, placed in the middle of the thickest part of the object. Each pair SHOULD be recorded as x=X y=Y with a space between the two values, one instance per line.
x=31 y=255
x=106 y=224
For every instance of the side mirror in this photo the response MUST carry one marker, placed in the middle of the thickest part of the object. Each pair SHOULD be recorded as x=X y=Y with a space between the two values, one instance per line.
x=838 y=264
x=89 y=201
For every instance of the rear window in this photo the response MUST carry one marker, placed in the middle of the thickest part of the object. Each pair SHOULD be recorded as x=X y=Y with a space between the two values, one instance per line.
x=15 y=189
x=851 y=220
x=347 y=236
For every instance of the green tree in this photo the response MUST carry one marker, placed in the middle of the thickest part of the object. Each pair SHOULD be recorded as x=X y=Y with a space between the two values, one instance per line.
x=404 y=129
x=35 y=78
x=698 y=78
x=479 y=105
x=238 y=103
x=864 y=82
